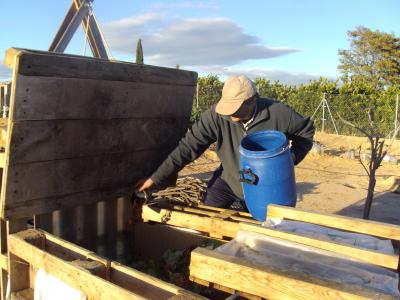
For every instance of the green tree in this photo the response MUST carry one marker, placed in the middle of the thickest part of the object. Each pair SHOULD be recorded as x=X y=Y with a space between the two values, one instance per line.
x=374 y=56
x=139 y=52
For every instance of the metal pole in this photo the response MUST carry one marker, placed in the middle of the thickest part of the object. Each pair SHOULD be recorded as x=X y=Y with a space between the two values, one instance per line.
x=323 y=113
x=197 y=95
x=395 y=116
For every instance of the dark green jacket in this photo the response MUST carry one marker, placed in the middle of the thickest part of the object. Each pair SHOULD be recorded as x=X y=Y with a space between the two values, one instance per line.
x=212 y=127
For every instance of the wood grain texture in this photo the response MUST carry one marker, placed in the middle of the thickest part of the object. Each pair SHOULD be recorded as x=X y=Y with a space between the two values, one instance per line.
x=215 y=226
x=270 y=283
x=374 y=228
x=62 y=177
x=55 y=98
x=41 y=63
x=61 y=139
x=85 y=128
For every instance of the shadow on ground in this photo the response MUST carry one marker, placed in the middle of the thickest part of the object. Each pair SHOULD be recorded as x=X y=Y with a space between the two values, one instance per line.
x=385 y=208
x=304 y=188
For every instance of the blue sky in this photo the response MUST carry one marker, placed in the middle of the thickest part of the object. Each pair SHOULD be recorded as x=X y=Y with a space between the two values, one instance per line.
x=291 y=41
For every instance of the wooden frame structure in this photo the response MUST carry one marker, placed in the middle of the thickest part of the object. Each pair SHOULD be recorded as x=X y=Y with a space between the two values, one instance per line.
x=95 y=276
x=80 y=131
x=238 y=275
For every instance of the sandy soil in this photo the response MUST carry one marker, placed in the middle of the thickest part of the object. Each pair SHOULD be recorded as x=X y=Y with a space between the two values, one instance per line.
x=329 y=183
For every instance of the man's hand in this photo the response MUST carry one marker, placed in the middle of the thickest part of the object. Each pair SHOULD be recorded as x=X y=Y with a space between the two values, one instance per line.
x=144 y=184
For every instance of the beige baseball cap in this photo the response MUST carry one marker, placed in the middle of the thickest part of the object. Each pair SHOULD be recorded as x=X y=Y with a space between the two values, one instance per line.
x=236 y=90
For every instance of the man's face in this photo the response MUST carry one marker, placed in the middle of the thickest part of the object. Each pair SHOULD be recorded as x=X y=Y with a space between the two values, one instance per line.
x=246 y=110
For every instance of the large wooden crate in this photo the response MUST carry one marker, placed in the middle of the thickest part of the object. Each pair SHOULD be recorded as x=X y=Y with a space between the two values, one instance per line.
x=80 y=132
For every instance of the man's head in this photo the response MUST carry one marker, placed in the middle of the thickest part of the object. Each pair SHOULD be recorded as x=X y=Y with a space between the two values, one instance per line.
x=238 y=99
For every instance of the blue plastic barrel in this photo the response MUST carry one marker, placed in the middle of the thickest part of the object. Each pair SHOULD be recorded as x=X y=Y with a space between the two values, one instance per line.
x=266 y=172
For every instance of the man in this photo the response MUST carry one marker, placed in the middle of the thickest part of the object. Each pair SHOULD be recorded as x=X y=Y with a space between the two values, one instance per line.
x=240 y=111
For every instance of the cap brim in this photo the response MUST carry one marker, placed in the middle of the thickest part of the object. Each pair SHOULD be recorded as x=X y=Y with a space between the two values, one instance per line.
x=227 y=108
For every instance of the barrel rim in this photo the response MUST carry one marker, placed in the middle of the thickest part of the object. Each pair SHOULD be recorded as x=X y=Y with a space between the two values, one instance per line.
x=267 y=153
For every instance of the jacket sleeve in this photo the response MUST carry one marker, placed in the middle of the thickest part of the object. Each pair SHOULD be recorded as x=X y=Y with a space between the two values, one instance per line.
x=197 y=139
x=301 y=132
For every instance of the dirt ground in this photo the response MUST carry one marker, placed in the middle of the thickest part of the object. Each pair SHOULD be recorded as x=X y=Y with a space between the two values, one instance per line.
x=330 y=183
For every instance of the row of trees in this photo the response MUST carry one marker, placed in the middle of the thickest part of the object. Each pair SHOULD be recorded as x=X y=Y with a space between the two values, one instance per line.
x=350 y=100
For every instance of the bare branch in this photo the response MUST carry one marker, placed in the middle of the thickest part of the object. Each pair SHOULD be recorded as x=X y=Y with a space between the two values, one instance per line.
x=354 y=126
x=359 y=158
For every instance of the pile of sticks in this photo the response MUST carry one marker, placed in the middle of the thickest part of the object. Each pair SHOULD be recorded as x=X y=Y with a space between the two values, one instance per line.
x=189 y=191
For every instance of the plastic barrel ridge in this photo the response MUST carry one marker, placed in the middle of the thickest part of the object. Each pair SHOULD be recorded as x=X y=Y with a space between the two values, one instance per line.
x=266 y=172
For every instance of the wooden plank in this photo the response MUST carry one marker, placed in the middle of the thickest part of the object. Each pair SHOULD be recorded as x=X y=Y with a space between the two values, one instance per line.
x=18 y=269
x=268 y=282
x=49 y=204
x=55 y=98
x=216 y=227
x=3 y=261
x=60 y=139
x=54 y=180
x=26 y=294
x=94 y=287
x=41 y=63
x=223 y=214
x=358 y=253
x=146 y=285
x=335 y=221
x=212 y=208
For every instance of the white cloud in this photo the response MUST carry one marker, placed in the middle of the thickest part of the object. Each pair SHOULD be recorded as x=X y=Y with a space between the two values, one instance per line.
x=272 y=74
x=162 y=6
x=194 y=42
x=5 y=73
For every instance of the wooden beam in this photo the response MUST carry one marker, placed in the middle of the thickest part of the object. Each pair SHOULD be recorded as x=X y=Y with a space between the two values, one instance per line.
x=128 y=277
x=268 y=282
x=67 y=20
x=223 y=214
x=335 y=221
x=94 y=287
x=71 y=28
x=41 y=63
x=216 y=227
x=358 y=253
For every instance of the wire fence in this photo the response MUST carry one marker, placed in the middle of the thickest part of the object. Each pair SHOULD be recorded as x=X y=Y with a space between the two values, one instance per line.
x=328 y=110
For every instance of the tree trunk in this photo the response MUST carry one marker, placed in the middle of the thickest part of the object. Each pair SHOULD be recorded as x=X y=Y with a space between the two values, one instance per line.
x=370 y=195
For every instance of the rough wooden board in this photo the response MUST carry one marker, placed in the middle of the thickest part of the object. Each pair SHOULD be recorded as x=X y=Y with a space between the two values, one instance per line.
x=361 y=254
x=216 y=227
x=55 y=98
x=27 y=294
x=59 y=139
x=270 y=283
x=49 y=204
x=374 y=228
x=95 y=287
x=66 y=176
x=152 y=281
x=41 y=63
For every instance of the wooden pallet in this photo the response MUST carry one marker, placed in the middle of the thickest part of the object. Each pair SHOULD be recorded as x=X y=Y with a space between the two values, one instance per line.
x=97 y=277
x=236 y=274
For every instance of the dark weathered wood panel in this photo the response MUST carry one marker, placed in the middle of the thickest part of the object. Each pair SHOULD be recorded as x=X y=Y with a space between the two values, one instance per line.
x=83 y=130
x=41 y=63
x=59 y=139
x=60 y=177
x=44 y=98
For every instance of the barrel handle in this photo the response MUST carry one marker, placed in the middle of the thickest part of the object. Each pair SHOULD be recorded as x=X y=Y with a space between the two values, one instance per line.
x=248 y=172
